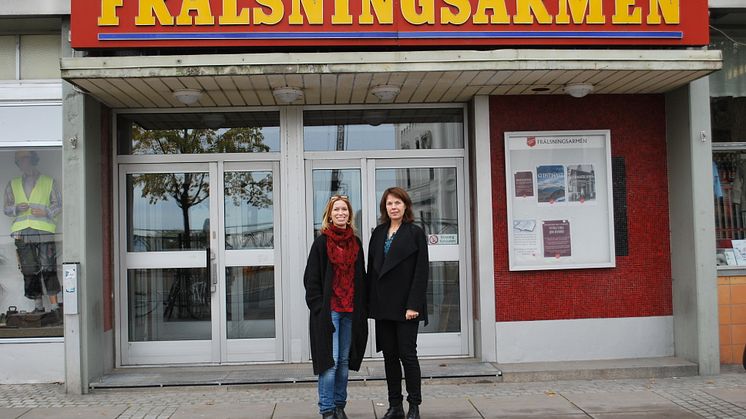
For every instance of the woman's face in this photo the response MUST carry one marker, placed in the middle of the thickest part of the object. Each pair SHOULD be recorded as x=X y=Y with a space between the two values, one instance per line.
x=395 y=207
x=340 y=214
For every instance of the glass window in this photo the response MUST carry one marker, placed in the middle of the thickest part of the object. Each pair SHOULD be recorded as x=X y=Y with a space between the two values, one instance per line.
x=168 y=304
x=434 y=197
x=31 y=243
x=8 y=58
x=198 y=133
x=250 y=302
x=383 y=129
x=728 y=113
x=40 y=56
x=168 y=211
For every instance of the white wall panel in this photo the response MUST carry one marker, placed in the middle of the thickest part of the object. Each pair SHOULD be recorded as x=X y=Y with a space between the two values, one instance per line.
x=584 y=339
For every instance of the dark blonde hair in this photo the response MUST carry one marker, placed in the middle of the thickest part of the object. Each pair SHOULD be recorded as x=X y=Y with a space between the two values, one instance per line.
x=328 y=211
x=404 y=196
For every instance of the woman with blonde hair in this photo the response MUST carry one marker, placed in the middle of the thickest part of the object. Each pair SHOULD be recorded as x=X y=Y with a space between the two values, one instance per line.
x=336 y=296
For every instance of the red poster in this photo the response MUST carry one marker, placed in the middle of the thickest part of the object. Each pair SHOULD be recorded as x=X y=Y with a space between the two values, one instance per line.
x=202 y=23
x=557 y=239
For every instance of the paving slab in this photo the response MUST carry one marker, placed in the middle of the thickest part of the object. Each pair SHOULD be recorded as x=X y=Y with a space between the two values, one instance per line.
x=88 y=412
x=522 y=406
x=308 y=410
x=736 y=396
x=666 y=414
x=444 y=408
x=12 y=412
x=620 y=402
x=225 y=411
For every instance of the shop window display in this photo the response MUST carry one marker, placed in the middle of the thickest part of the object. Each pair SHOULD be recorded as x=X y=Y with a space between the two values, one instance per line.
x=30 y=243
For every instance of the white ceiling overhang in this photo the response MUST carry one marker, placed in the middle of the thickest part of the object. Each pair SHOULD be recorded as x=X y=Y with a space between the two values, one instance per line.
x=346 y=77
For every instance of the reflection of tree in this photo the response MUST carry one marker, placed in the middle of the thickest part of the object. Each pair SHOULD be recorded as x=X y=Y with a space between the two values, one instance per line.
x=190 y=189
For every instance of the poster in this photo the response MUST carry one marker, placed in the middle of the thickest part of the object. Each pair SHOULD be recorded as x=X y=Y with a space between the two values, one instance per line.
x=739 y=250
x=525 y=239
x=524 y=184
x=581 y=183
x=557 y=241
x=560 y=200
x=550 y=182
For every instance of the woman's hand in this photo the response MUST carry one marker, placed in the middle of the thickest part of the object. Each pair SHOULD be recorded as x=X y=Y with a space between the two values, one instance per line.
x=411 y=314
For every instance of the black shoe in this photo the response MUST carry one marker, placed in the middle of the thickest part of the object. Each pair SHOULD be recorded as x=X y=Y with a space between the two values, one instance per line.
x=394 y=412
x=414 y=412
x=340 y=413
x=329 y=415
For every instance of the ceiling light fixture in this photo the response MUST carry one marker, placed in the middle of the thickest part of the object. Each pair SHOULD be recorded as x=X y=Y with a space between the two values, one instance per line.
x=385 y=92
x=188 y=96
x=287 y=94
x=578 y=89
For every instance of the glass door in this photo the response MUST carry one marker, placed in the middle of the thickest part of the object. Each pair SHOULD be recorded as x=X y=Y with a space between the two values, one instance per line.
x=197 y=263
x=436 y=188
x=437 y=191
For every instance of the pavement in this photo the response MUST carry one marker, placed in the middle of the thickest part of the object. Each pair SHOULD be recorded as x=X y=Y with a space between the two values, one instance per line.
x=721 y=396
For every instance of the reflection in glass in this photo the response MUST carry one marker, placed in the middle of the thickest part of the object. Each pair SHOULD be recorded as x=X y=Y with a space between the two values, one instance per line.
x=199 y=133
x=443 y=298
x=249 y=212
x=328 y=182
x=434 y=197
x=167 y=211
x=168 y=304
x=250 y=298
x=383 y=129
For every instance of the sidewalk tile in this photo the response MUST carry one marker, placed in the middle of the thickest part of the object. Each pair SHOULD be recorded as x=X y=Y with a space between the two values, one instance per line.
x=445 y=408
x=75 y=412
x=531 y=405
x=12 y=412
x=296 y=410
x=225 y=411
x=677 y=413
x=633 y=401
x=736 y=396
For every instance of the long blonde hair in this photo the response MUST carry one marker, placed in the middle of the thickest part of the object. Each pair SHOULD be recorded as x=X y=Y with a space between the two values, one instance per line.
x=328 y=211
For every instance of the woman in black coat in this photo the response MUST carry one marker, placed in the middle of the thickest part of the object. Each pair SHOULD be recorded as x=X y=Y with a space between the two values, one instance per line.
x=336 y=296
x=398 y=273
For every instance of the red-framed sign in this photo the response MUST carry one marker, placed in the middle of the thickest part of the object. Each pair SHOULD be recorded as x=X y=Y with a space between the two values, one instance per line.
x=202 y=23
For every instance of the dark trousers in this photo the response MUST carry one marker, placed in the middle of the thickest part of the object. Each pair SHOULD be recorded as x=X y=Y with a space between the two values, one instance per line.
x=398 y=341
x=38 y=262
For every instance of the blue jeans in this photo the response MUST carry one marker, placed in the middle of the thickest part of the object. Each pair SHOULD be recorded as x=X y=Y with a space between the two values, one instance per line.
x=333 y=382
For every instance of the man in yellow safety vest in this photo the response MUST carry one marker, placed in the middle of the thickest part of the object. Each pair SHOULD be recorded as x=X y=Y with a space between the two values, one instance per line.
x=34 y=202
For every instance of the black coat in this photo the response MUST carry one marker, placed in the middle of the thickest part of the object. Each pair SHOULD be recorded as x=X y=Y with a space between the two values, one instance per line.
x=398 y=281
x=318 y=282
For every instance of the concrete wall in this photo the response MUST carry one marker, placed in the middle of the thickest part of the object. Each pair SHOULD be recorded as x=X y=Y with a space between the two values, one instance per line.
x=692 y=221
x=32 y=361
x=584 y=339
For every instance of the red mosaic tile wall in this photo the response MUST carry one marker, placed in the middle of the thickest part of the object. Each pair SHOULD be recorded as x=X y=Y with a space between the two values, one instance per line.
x=640 y=285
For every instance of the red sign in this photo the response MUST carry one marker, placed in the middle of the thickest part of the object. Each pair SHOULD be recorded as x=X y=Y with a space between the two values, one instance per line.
x=202 y=23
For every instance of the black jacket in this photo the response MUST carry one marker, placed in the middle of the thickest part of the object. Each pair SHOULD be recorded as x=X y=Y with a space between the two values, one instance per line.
x=318 y=282
x=398 y=281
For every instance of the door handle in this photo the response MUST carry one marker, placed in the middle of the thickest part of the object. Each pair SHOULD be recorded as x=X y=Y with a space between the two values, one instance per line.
x=212 y=269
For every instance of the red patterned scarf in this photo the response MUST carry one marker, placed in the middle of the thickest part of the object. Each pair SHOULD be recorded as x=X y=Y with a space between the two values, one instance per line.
x=342 y=248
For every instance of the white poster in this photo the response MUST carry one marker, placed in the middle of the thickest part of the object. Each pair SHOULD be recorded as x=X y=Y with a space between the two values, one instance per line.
x=568 y=223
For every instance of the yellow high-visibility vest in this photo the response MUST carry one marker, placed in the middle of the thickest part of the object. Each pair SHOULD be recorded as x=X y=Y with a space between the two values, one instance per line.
x=39 y=196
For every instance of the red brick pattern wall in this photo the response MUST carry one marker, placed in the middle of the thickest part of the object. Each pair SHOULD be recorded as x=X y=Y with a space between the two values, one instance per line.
x=640 y=285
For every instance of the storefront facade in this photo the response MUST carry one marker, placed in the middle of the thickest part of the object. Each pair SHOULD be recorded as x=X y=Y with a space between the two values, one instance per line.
x=31 y=336
x=193 y=183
